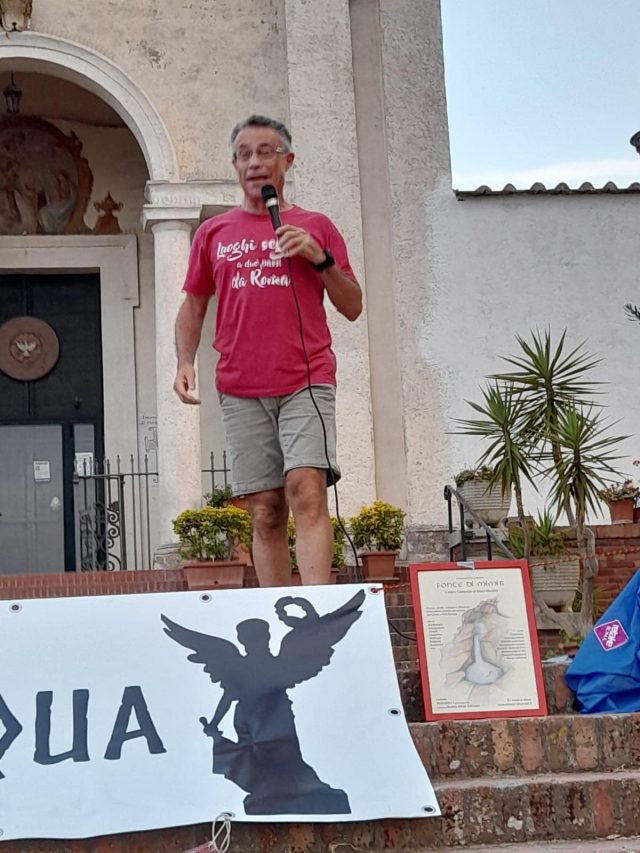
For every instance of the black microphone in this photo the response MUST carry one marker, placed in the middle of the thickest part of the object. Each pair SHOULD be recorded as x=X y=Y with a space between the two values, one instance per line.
x=270 y=198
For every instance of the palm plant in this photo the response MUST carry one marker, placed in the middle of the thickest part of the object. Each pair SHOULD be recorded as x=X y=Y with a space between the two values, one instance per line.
x=541 y=421
x=577 y=477
x=632 y=311
x=503 y=424
x=550 y=380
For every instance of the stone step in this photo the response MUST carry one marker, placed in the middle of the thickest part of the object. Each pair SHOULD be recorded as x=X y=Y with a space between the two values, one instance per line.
x=524 y=746
x=613 y=845
x=570 y=806
x=538 y=810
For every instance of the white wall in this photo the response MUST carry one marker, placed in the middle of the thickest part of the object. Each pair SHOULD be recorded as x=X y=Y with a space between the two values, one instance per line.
x=203 y=65
x=509 y=264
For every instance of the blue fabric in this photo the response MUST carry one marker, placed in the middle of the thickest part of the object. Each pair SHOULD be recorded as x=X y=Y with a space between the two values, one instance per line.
x=608 y=680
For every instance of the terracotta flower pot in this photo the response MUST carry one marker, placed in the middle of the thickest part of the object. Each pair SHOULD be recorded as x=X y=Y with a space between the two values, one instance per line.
x=213 y=574
x=241 y=502
x=621 y=511
x=636 y=515
x=379 y=565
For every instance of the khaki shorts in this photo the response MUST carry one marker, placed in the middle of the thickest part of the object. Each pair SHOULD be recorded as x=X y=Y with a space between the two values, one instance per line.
x=269 y=436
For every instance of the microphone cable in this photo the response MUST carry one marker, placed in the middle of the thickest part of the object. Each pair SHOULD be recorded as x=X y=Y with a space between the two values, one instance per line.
x=272 y=203
x=271 y=200
x=356 y=575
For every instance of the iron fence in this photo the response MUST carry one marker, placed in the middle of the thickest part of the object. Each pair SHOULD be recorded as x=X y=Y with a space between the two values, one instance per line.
x=114 y=511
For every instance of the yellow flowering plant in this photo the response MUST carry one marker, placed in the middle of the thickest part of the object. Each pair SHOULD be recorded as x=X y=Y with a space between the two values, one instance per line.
x=378 y=527
x=209 y=533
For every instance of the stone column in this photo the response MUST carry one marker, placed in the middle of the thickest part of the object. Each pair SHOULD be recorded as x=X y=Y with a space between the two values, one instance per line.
x=323 y=124
x=179 y=478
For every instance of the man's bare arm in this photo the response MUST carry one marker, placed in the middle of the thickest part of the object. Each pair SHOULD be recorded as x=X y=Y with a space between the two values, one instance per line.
x=344 y=292
x=188 y=332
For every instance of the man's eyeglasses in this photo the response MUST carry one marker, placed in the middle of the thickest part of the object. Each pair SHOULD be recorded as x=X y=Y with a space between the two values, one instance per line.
x=262 y=152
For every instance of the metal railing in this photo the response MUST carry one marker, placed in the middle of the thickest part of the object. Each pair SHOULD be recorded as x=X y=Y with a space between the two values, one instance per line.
x=213 y=470
x=464 y=509
x=114 y=508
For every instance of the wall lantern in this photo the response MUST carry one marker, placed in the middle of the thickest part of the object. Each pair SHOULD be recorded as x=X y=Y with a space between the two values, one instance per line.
x=15 y=15
x=12 y=96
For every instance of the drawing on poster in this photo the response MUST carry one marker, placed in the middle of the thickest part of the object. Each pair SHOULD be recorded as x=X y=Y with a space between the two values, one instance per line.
x=472 y=661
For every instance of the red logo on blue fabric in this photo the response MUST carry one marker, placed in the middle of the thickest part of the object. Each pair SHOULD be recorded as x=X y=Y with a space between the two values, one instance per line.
x=611 y=635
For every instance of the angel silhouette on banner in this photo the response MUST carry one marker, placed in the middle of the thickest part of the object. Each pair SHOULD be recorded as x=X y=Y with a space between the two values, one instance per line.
x=266 y=761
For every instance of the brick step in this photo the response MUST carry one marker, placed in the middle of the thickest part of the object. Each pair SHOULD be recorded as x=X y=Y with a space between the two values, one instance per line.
x=538 y=810
x=570 y=806
x=524 y=746
x=614 y=845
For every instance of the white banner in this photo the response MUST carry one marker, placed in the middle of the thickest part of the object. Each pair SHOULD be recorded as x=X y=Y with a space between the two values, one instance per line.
x=125 y=713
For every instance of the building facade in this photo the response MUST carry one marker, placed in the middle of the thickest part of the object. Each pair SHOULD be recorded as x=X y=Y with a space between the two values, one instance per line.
x=121 y=148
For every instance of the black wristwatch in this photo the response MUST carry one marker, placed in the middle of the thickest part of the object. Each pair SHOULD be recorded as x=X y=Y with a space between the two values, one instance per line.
x=329 y=261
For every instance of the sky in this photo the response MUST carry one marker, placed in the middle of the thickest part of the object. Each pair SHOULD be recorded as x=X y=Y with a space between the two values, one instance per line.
x=542 y=90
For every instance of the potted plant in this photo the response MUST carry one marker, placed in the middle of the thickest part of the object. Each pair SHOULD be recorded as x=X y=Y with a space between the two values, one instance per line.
x=555 y=572
x=542 y=424
x=220 y=496
x=223 y=496
x=570 y=643
x=378 y=529
x=477 y=488
x=337 y=557
x=621 y=499
x=207 y=540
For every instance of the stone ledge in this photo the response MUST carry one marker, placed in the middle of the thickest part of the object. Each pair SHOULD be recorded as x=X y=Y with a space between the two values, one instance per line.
x=526 y=746
x=576 y=806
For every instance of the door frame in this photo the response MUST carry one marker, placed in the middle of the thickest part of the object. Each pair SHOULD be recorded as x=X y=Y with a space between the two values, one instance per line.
x=115 y=259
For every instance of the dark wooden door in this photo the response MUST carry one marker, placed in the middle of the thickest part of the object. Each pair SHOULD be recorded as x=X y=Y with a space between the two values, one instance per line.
x=68 y=396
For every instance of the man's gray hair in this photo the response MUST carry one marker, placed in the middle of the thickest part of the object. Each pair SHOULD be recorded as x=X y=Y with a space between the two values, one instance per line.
x=263 y=121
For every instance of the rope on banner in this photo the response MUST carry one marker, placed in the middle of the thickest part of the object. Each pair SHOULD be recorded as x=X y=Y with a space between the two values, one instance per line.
x=220 y=836
x=221 y=833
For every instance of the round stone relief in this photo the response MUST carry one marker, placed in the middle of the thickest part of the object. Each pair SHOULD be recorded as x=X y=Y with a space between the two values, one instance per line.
x=29 y=348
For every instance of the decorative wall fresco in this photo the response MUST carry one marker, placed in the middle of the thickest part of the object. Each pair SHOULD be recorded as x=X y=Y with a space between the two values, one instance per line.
x=107 y=223
x=45 y=183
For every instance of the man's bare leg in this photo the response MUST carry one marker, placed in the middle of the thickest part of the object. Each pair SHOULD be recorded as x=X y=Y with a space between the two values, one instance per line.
x=269 y=514
x=306 y=490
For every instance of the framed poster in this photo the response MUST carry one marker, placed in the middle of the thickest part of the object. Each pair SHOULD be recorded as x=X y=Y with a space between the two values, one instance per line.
x=477 y=640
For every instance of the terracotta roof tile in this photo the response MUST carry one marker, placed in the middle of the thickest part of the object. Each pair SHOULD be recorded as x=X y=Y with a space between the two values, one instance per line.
x=560 y=189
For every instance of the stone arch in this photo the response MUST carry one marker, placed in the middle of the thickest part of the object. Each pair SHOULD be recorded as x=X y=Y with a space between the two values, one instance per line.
x=87 y=68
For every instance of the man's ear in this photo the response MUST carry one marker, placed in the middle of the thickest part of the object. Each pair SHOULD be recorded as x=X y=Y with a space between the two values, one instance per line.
x=290 y=158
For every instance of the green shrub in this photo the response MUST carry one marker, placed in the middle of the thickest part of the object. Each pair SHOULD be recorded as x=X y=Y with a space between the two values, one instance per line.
x=484 y=473
x=219 y=497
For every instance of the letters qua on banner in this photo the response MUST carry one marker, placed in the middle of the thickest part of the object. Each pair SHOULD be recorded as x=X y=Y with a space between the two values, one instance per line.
x=126 y=713
x=611 y=635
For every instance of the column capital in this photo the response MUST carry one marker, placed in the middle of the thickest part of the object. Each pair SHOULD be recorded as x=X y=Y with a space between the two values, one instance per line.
x=187 y=201
x=159 y=218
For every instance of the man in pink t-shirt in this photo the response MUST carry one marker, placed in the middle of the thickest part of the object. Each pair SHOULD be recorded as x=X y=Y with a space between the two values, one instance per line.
x=270 y=290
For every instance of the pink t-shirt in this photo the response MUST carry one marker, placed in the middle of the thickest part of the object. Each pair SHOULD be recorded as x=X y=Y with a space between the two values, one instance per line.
x=235 y=256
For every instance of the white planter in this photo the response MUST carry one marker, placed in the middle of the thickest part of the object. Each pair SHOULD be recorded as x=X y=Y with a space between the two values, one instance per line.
x=556 y=579
x=489 y=505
